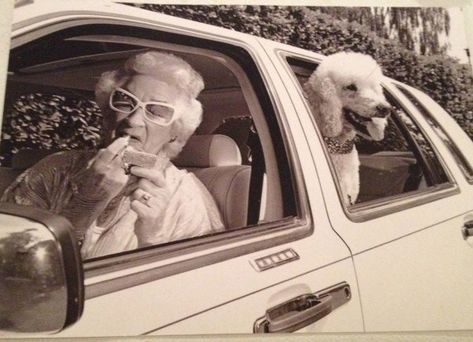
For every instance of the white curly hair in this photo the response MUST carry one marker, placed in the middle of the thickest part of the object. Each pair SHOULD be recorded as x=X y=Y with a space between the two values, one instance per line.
x=165 y=67
x=346 y=84
x=325 y=90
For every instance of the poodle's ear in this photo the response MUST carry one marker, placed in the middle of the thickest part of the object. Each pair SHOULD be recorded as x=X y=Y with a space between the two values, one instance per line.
x=325 y=104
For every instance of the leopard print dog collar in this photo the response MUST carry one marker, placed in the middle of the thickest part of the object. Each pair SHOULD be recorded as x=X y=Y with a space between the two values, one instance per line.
x=335 y=147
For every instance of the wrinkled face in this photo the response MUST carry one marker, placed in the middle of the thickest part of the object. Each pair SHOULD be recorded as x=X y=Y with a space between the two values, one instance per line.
x=364 y=105
x=146 y=134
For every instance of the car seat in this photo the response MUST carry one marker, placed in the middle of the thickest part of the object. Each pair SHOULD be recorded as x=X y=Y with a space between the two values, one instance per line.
x=216 y=160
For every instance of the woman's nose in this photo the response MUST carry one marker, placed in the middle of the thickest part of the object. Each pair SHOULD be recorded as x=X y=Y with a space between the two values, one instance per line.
x=136 y=118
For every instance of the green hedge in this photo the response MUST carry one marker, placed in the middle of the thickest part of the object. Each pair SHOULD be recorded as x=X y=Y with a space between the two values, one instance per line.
x=448 y=82
x=49 y=122
x=442 y=77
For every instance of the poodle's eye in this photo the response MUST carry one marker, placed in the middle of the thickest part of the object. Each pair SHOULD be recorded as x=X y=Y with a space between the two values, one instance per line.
x=351 y=87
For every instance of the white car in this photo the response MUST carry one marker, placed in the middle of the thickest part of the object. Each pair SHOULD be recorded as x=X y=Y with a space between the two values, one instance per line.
x=293 y=257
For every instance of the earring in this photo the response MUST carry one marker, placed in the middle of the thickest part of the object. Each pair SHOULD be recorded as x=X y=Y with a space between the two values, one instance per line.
x=173 y=139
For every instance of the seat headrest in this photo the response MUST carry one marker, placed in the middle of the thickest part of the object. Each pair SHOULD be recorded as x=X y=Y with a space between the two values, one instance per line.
x=209 y=151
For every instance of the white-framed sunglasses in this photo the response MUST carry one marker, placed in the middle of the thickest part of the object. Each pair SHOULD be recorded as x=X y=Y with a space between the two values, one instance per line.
x=160 y=113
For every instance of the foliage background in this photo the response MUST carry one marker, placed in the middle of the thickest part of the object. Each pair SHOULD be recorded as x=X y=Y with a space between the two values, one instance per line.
x=440 y=76
x=443 y=78
x=47 y=121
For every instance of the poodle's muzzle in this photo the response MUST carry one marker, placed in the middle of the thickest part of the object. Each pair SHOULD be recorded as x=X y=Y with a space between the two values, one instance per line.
x=359 y=122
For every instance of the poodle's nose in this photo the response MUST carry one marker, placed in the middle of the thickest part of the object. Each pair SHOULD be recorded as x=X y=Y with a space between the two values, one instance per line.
x=382 y=111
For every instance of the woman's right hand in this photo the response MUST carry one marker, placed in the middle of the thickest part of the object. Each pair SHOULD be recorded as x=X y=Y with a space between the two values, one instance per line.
x=95 y=187
x=105 y=176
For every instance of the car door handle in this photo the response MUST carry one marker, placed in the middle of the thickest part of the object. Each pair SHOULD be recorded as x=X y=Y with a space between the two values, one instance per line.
x=467 y=229
x=302 y=310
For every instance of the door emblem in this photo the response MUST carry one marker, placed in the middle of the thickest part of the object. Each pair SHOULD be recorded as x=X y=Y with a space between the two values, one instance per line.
x=274 y=260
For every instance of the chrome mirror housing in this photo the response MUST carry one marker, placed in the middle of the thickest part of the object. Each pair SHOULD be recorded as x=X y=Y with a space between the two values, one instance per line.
x=41 y=276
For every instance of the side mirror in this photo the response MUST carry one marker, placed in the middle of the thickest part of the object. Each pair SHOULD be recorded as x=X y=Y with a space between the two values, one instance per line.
x=41 y=276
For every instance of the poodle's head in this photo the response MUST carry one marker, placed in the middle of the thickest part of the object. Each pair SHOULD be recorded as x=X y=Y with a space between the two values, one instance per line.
x=345 y=92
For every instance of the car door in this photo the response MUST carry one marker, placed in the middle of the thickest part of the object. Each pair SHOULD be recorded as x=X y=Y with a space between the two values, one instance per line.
x=424 y=245
x=285 y=270
x=409 y=246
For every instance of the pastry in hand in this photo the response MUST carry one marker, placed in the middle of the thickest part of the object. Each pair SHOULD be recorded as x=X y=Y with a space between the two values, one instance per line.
x=132 y=157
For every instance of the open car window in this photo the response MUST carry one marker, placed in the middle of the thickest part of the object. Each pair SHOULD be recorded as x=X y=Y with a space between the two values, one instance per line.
x=402 y=164
x=456 y=152
x=50 y=107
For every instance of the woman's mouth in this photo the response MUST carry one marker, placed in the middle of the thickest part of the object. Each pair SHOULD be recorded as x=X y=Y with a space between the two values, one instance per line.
x=134 y=141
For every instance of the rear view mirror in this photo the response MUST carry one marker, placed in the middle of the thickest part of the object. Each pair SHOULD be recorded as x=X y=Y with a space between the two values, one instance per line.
x=41 y=277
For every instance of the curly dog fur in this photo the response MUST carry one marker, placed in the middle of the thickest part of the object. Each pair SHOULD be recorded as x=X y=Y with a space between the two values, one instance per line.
x=347 y=99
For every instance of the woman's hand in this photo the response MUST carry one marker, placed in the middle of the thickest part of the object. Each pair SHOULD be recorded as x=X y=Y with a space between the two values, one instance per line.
x=94 y=188
x=149 y=201
x=105 y=176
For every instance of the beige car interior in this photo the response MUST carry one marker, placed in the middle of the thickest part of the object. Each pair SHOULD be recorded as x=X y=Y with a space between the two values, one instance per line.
x=216 y=161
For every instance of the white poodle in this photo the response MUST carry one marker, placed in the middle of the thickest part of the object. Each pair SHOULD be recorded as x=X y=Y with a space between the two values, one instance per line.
x=347 y=99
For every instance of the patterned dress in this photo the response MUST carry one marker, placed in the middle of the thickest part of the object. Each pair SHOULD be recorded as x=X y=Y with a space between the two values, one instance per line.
x=50 y=185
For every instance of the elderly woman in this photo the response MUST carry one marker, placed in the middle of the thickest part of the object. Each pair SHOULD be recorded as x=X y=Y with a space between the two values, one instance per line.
x=149 y=105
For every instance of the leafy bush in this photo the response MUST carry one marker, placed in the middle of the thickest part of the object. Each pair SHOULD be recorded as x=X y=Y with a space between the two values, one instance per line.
x=49 y=122
x=442 y=77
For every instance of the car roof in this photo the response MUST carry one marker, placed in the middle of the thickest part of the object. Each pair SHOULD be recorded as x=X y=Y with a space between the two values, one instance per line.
x=43 y=12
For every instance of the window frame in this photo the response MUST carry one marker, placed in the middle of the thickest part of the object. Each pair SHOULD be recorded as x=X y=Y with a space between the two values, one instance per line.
x=116 y=272
x=462 y=162
x=429 y=170
x=373 y=209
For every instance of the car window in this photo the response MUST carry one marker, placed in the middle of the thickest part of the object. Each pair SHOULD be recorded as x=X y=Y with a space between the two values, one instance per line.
x=50 y=107
x=465 y=166
x=402 y=163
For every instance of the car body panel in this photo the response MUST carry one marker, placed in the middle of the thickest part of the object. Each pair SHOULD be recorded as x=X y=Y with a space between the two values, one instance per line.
x=418 y=282
x=239 y=316
x=145 y=308
x=402 y=258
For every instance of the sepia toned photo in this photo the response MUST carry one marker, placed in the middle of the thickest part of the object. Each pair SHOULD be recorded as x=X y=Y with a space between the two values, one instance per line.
x=235 y=169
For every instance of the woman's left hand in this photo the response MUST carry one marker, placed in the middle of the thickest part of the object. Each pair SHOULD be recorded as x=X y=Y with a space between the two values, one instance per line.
x=149 y=201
